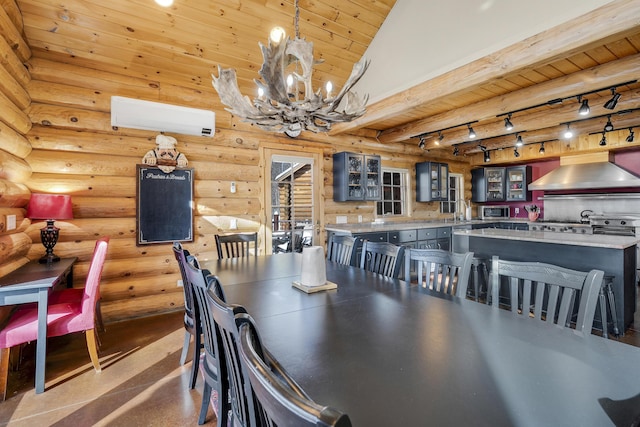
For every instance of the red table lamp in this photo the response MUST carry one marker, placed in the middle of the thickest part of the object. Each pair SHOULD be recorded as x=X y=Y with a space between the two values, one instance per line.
x=49 y=207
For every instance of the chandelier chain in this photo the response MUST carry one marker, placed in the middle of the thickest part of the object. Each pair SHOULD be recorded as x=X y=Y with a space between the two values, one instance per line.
x=296 y=18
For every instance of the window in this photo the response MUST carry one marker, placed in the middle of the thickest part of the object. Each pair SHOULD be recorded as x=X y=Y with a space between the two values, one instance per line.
x=394 y=193
x=455 y=201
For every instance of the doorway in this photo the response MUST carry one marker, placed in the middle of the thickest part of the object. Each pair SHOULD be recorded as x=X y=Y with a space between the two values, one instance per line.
x=291 y=198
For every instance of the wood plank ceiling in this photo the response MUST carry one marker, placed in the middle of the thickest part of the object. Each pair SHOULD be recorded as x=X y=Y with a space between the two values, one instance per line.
x=182 y=45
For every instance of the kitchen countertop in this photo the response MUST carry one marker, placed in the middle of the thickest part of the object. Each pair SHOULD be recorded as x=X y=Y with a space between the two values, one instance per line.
x=370 y=227
x=593 y=240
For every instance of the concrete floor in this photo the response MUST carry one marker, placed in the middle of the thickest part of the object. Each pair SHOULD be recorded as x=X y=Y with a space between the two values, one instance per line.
x=141 y=383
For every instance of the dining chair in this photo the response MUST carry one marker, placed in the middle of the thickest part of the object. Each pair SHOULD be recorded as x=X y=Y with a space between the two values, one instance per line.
x=340 y=249
x=240 y=393
x=213 y=368
x=62 y=318
x=547 y=292
x=382 y=258
x=279 y=400
x=236 y=245
x=192 y=325
x=439 y=270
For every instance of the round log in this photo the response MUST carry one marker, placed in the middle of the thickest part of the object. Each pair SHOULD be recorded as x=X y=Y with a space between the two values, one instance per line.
x=13 y=195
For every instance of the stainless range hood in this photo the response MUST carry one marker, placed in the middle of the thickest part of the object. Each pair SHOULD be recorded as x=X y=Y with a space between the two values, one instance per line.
x=584 y=172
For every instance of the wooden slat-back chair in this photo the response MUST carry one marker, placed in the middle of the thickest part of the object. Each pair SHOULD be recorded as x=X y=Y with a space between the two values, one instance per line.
x=236 y=245
x=340 y=249
x=439 y=270
x=547 y=292
x=280 y=401
x=382 y=258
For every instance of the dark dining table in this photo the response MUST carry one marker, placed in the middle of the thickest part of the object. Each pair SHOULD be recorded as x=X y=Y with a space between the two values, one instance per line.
x=393 y=354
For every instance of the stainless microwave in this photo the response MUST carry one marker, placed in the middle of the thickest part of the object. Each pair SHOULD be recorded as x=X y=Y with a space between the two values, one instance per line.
x=489 y=212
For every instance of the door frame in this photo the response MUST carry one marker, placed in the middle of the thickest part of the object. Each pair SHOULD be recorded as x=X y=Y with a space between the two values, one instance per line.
x=267 y=151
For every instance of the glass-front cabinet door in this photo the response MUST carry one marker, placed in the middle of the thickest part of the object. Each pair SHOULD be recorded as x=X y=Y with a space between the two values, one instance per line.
x=373 y=183
x=518 y=180
x=495 y=184
x=356 y=177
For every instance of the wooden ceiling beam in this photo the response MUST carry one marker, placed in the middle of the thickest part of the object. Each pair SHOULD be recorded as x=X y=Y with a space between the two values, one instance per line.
x=598 y=77
x=605 y=23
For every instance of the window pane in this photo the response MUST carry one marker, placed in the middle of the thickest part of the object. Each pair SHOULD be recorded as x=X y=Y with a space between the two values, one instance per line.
x=396 y=178
x=386 y=178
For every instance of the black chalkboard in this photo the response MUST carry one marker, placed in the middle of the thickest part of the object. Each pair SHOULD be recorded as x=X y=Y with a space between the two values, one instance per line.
x=164 y=207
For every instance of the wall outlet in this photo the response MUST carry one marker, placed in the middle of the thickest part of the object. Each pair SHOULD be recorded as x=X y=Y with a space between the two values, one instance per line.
x=11 y=222
x=179 y=283
x=234 y=224
x=359 y=218
x=233 y=186
x=517 y=211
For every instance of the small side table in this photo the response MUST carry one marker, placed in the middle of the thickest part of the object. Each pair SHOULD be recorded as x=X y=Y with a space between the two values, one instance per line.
x=32 y=283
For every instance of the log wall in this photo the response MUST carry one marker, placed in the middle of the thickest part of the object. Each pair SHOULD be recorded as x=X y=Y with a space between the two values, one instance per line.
x=55 y=137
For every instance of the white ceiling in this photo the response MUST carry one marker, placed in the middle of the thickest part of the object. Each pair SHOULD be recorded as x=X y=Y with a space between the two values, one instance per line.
x=421 y=39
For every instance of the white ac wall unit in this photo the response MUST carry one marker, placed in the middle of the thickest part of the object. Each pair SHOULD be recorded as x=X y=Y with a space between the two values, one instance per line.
x=147 y=115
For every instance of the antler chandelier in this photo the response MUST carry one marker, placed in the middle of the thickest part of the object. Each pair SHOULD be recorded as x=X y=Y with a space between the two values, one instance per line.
x=278 y=107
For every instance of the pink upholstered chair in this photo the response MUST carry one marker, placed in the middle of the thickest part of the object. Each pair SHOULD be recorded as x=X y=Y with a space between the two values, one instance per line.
x=63 y=317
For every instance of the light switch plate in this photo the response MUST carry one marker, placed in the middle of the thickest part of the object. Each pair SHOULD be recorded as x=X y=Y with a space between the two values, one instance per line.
x=11 y=222
x=341 y=219
x=234 y=224
x=233 y=186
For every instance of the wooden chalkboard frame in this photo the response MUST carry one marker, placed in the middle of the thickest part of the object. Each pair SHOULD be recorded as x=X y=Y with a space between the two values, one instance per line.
x=164 y=205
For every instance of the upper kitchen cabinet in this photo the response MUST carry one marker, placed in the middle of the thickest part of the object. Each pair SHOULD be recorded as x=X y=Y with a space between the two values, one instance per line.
x=488 y=185
x=518 y=180
x=356 y=177
x=432 y=180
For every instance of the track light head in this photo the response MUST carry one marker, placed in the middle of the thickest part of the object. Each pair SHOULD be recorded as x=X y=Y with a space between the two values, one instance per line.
x=609 y=126
x=507 y=122
x=519 y=142
x=515 y=152
x=611 y=104
x=630 y=137
x=584 y=106
x=455 y=150
x=541 y=151
x=603 y=141
x=472 y=133
x=421 y=144
x=440 y=137
x=487 y=157
x=568 y=133
x=482 y=147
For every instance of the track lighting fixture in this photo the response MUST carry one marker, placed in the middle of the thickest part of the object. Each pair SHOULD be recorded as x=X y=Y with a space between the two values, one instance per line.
x=609 y=126
x=455 y=150
x=421 y=144
x=568 y=133
x=507 y=122
x=611 y=104
x=440 y=137
x=603 y=141
x=482 y=147
x=630 y=137
x=584 y=106
x=487 y=157
x=472 y=133
x=519 y=142
x=515 y=152
x=541 y=151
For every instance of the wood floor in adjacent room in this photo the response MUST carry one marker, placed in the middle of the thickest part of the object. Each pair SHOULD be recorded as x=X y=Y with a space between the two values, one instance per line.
x=141 y=383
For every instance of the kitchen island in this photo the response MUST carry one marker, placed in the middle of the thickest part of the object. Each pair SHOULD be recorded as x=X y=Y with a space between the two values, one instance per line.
x=615 y=255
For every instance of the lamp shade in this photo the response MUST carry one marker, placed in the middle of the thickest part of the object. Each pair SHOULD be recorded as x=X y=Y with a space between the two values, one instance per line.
x=50 y=206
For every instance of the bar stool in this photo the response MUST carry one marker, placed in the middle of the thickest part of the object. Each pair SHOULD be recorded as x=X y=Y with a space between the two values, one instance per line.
x=479 y=271
x=606 y=296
